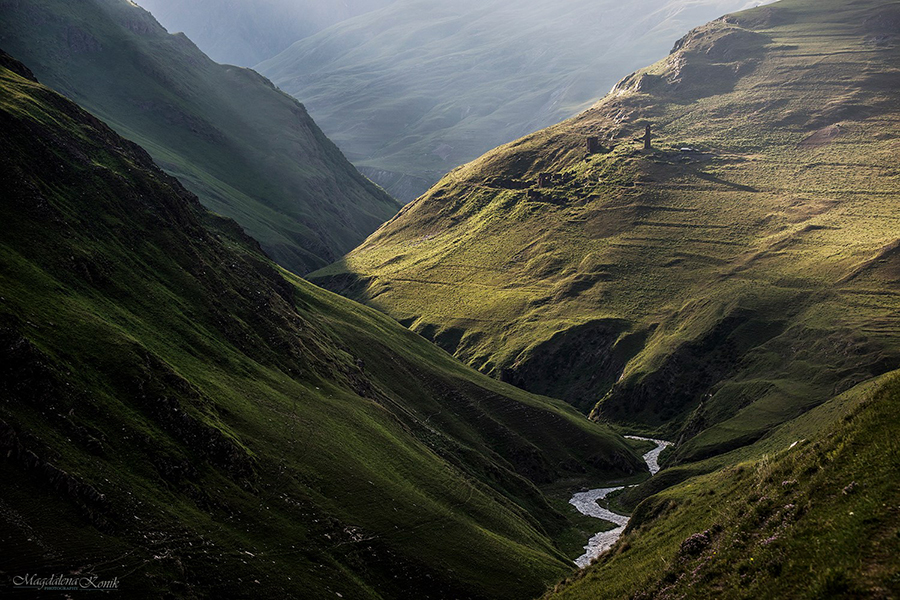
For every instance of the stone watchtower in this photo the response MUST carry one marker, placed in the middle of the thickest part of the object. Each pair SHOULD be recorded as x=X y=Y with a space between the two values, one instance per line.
x=648 y=138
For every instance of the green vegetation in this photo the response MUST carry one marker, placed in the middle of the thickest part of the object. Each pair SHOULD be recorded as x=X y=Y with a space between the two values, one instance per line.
x=739 y=296
x=417 y=88
x=811 y=512
x=704 y=295
x=249 y=151
x=182 y=414
x=179 y=412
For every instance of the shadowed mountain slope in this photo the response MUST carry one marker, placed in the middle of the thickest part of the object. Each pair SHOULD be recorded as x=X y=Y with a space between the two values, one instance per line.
x=247 y=150
x=418 y=88
x=245 y=32
x=181 y=414
x=739 y=273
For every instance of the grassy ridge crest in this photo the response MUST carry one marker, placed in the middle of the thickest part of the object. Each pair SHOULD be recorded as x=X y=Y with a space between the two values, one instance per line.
x=731 y=278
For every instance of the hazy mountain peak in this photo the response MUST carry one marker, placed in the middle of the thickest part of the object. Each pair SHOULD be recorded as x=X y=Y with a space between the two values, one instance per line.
x=245 y=32
x=418 y=88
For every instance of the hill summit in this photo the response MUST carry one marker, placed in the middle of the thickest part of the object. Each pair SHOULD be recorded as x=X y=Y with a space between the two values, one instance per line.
x=418 y=88
x=739 y=272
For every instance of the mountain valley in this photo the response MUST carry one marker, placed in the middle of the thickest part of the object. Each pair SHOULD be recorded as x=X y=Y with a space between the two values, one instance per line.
x=737 y=274
x=182 y=414
x=248 y=151
x=651 y=352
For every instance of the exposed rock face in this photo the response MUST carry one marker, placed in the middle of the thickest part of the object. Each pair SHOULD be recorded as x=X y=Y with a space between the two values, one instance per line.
x=822 y=137
x=709 y=60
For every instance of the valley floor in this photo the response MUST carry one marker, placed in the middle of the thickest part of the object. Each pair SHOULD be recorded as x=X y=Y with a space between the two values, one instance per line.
x=810 y=512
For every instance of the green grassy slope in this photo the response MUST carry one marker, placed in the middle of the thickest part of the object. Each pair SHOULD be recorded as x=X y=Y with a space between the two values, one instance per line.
x=703 y=295
x=245 y=32
x=178 y=412
x=811 y=512
x=247 y=150
x=418 y=88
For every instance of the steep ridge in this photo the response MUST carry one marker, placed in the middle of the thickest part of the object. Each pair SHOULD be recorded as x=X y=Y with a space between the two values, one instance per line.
x=245 y=32
x=737 y=274
x=180 y=414
x=418 y=88
x=247 y=150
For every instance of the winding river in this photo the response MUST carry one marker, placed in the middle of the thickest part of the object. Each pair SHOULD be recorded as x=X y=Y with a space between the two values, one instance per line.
x=586 y=503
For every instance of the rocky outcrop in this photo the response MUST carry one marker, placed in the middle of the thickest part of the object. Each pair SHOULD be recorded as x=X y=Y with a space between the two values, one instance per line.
x=707 y=61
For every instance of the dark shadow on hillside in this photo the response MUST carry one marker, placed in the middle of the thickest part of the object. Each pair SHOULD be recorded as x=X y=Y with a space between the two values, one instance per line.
x=729 y=184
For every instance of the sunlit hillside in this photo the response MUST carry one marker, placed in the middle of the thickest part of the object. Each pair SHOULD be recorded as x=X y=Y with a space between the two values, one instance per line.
x=735 y=275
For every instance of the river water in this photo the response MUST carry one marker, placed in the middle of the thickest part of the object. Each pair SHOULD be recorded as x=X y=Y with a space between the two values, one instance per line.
x=586 y=503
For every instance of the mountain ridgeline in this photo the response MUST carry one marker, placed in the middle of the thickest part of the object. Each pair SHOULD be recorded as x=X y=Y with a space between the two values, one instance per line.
x=181 y=414
x=249 y=151
x=743 y=270
x=246 y=32
x=418 y=88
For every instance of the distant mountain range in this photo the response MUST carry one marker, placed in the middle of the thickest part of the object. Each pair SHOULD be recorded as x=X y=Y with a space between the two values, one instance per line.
x=417 y=88
x=249 y=151
x=245 y=32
